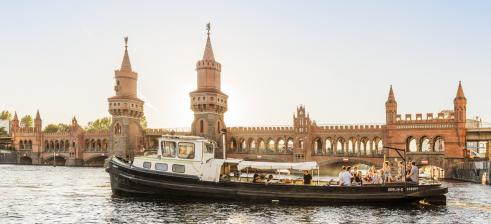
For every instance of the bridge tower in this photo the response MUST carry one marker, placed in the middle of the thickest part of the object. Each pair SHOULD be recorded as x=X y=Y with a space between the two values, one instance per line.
x=126 y=133
x=460 y=110
x=208 y=102
x=390 y=118
x=302 y=125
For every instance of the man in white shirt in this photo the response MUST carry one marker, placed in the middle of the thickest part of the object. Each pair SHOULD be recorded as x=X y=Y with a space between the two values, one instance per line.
x=413 y=175
x=346 y=177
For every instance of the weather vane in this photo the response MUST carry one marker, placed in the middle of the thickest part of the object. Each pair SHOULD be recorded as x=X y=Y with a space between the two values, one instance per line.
x=208 y=27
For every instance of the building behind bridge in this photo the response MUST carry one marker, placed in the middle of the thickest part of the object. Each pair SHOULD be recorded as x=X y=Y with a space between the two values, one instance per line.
x=437 y=139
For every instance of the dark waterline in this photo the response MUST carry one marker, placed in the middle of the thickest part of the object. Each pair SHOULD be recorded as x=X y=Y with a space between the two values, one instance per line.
x=43 y=194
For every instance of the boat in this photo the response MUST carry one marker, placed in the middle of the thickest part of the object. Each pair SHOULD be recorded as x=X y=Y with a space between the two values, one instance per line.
x=185 y=167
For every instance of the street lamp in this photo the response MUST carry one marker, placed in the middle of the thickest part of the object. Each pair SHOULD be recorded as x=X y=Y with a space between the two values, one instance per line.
x=223 y=132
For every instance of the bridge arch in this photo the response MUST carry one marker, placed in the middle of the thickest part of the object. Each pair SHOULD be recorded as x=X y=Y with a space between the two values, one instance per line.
x=25 y=160
x=59 y=159
x=97 y=160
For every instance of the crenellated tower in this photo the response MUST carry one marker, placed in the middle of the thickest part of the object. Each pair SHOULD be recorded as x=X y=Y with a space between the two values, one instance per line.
x=208 y=102
x=125 y=136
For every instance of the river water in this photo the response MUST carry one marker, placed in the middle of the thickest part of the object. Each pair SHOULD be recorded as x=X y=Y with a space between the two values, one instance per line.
x=44 y=194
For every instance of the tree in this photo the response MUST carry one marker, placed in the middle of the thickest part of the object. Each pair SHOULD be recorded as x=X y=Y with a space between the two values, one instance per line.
x=5 y=115
x=26 y=121
x=53 y=128
x=3 y=132
x=102 y=124
x=143 y=122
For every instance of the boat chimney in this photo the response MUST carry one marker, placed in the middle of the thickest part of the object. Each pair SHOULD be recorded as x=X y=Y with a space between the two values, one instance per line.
x=224 y=132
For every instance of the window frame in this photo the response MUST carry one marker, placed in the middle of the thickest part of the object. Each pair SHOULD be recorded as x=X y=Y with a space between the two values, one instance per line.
x=163 y=164
x=146 y=162
x=173 y=152
x=175 y=170
x=187 y=155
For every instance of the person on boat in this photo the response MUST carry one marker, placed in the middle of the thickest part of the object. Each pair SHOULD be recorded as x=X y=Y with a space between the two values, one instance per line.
x=413 y=175
x=307 y=178
x=386 y=175
x=346 y=177
x=343 y=169
x=376 y=177
x=400 y=171
x=255 y=178
x=358 y=178
x=368 y=177
x=269 y=180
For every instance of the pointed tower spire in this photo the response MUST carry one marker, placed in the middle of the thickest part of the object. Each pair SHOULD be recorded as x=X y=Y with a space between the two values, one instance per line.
x=208 y=55
x=460 y=91
x=126 y=65
x=15 y=116
x=38 y=117
x=391 y=97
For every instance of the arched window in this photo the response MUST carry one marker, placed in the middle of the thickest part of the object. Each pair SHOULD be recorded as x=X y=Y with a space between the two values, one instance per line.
x=350 y=146
x=439 y=145
x=201 y=126
x=425 y=145
x=300 y=143
x=218 y=127
x=46 y=145
x=369 y=147
x=262 y=145
x=233 y=144
x=281 y=145
x=117 y=129
x=380 y=147
x=412 y=145
x=340 y=146
x=21 y=144
x=253 y=144
x=328 y=145
x=289 y=144
x=243 y=145
x=271 y=145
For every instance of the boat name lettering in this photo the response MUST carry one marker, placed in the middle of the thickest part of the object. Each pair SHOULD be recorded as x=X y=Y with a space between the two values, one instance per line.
x=395 y=189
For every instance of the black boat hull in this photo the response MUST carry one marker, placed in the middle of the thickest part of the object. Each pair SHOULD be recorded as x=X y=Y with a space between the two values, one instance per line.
x=128 y=180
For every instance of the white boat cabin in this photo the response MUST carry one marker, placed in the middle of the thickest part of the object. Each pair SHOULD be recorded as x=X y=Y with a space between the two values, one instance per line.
x=195 y=156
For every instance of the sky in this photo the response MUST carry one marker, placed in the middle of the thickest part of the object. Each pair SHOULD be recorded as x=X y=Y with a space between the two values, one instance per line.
x=338 y=58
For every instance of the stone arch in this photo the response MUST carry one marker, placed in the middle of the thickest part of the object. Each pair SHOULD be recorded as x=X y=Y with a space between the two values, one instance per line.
x=96 y=161
x=21 y=144
x=57 y=145
x=87 y=145
x=29 y=144
x=92 y=145
x=252 y=144
x=281 y=145
x=290 y=144
x=233 y=144
x=439 y=144
x=351 y=145
x=67 y=145
x=271 y=145
x=25 y=160
x=379 y=145
x=301 y=143
x=363 y=146
x=317 y=146
x=51 y=145
x=46 y=145
x=98 y=145
x=261 y=144
x=60 y=160
x=62 y=145
x=242 y=144
x=104 y=144
x=411 y=144
x=328 y=145
x=425 y=144
x=340 y=145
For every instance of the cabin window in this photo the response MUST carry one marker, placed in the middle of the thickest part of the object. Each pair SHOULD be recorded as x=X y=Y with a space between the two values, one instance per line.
x=177 y=168
x=186 y=150
x=168 y=149
x=209 y=147
x=147 y=165
x=161 y=166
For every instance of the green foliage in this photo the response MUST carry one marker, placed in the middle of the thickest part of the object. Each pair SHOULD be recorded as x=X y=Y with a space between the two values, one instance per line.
x=143 y=122
x=26 y=121
x=3 y=132
x=5 y=115
x=53 y=128
x=102 y=124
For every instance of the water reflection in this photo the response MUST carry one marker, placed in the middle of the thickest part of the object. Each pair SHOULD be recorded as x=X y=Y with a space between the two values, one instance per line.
x=32 y=194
